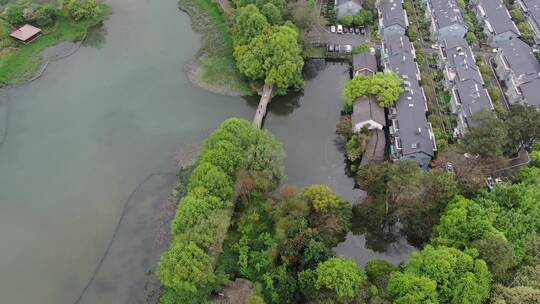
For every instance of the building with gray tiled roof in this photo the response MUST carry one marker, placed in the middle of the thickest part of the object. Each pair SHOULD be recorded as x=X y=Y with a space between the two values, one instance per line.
x=498 y=24
x=520 y=70
x=392 y=18
x=464 y=82
x=531 y=9
x=412 y=135
x=446 y=19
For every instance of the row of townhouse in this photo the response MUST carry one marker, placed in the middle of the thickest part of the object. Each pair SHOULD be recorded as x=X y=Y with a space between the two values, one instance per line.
x=412 y=136
x=498 y=24
x=531 y=10
x=519 y=69
x=446 y=19
x=464 y=82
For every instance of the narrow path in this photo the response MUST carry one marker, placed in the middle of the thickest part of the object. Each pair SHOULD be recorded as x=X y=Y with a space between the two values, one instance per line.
x=225 y=6
x=266 y=97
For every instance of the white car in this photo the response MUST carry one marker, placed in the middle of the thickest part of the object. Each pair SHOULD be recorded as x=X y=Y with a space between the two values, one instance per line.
x=348 y=48
x=340 y=29
x=372 y=51
x=333 y=29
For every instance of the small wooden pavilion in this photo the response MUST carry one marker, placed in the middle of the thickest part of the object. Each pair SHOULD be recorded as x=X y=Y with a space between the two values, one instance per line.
x=26 y=33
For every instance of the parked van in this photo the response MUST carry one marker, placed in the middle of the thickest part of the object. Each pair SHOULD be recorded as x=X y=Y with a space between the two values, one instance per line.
x=340 y=29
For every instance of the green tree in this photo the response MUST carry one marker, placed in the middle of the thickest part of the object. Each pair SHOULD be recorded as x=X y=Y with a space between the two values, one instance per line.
x=303 y=14
x=340 y=276
x=248 y=23
x=14 y=14
x=460 y=278
x=379 y=271
x=523 y=126
x=193 y=209
x=272 y=13
x=321 y=198
x=226 y=156
x=488 y=136
x=363 y=18
x=347 y=20
x=407 y=288
x=471 y=37
x=213 y=179
x=497 y=252
x=186 y=268
x=361 y=48
x=274 y=57
x=82 y=9
x=356 y=146
x=517 y=15
x=464 y=221
x=387 y=87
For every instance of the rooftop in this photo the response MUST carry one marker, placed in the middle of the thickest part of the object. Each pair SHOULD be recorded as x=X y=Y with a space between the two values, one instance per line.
x=367 y=108
x=365 y=63
x=25 y=32
x=530 y=91
x=446 y=13
x=414 y=130
x=392 y=13
x=498 y=17
x=532 y=7
x=519 y=57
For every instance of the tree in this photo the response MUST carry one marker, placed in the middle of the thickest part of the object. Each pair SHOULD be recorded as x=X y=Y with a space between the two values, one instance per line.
x=14 y=14
x=379 y=271
x=361 y=48
x=488 y=136
x=497 y=252
x=274 y=57
x=82 y=9
x=471 y=37
x=213 y=179
x=340 y=276
x=321 y=198
x=248 y=23
x=347 y=20
x=186 y=268
x=356 y=146
x=302 y=13
x=226 y=156
x=193 y=209
x=387 y=87
x=517 y=15
x=459 y=277
x=272 y=13
x=523 y=126
x=406 y=288
x=363 y=18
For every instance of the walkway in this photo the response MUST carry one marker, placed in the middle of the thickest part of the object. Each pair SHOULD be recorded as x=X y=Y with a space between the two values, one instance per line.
x=263 y=105
x=375 y=150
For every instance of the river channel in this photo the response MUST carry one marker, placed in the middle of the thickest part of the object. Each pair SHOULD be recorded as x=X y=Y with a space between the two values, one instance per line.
x=98 y=138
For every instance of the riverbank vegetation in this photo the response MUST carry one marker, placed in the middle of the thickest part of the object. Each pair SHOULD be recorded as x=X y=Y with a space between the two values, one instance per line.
x=20 y=62
x=214 y=67
x=234 y=225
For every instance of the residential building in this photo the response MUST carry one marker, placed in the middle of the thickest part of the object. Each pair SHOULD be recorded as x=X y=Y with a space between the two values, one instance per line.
x=531 y=9
x=498 y=24
x=464 y=82
x=392 y=18
x=347 y=7
x=367 y=113
x=364 y=64
x=412 y=136
x=446 y=19
x=519 y=69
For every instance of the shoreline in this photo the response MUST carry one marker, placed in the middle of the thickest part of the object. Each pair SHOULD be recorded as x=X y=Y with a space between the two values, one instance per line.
x=212 y=68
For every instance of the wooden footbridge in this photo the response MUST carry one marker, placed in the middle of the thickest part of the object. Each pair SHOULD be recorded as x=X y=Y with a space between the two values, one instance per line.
x=266 y=97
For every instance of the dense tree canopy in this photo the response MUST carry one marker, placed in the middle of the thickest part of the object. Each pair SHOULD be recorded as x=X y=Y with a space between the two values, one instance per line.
x=274 y=56
x=488 y=136
x=82 y=9
x=458 y=276
x=340 y=276
x=406 y=288
x=248 y=23
x=385 y=86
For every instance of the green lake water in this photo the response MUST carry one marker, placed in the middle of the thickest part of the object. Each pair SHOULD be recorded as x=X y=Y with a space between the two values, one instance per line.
x=97 y=139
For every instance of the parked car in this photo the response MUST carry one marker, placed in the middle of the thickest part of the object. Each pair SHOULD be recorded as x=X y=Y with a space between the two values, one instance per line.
x=357 y=31
x=340 y=29
x=348 y=48
x=337 y=48
x=333 y=29
x=372 y=51
x=330 y=48
x=351 y=29
x=345 y=29
x=362 y=31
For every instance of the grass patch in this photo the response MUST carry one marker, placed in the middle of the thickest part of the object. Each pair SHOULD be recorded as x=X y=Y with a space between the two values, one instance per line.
x=215 y=58
x=317 y=52
x=19 y=66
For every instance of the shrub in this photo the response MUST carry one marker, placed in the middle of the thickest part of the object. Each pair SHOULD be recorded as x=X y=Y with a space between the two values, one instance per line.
x=82 y=9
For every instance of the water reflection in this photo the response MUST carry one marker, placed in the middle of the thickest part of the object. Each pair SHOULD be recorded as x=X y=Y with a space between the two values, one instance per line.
x=96 y=37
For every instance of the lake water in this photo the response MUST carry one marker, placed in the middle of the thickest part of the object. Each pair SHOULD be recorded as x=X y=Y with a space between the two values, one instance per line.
x=97 y=139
